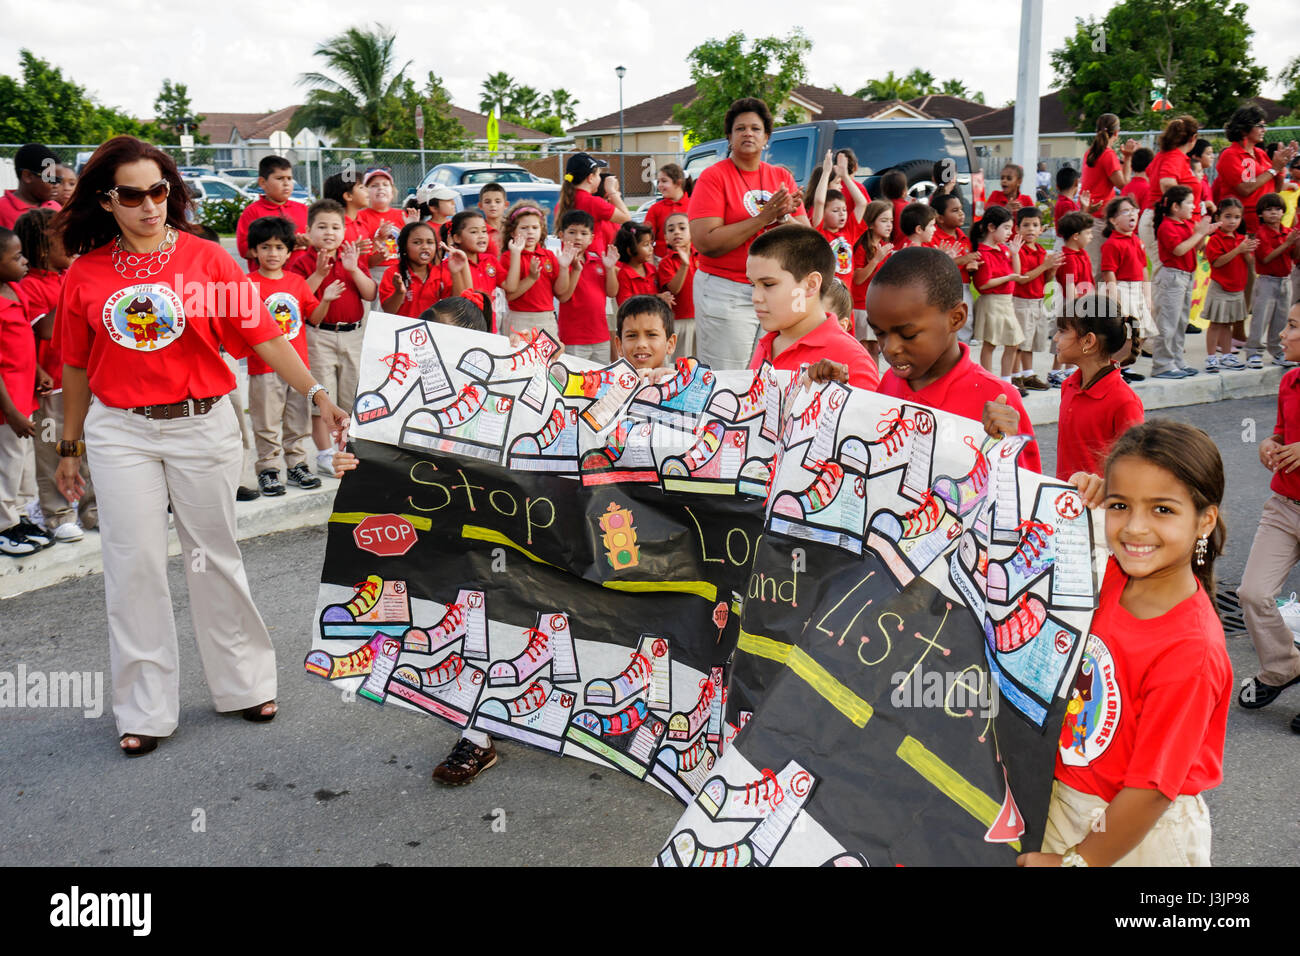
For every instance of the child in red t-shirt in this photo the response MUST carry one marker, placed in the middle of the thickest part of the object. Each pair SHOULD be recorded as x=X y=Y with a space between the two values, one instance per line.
x=1069 y=198
x=1272 y=295
x=1009 y=195
x=1177 y=239
x=893 y=186
x=831 y=217
x=950 y=238
x=470 y=233
x=1037 y=268
x=918 y=224
x=636 y=274
x=1148 y=709
x=280 y=415
x=40 y=290
x=995 y=315
x=676 y=275
x=1123 y=268
x=1230 y=257
x=379 y=221
x=493 y=202
x=533 y=278
x=673 y=200
x=416 y=280
x=351 y=193
x=592 y=279
x=275 y=179
x=869 y=254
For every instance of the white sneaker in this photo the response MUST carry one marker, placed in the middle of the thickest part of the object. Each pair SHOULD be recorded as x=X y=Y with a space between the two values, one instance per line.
x=1231 y=361
x=34 y=513
x=1279 y=360
x=1212 y=364
x=1290 y=611
x=1255 y=361
x=68 y=532
x=325 y=463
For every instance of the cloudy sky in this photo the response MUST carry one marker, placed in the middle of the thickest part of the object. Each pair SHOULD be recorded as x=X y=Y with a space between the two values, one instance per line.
x=246 y=57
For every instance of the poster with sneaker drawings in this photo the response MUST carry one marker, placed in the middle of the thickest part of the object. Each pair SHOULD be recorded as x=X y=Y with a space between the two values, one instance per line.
x=835 y=626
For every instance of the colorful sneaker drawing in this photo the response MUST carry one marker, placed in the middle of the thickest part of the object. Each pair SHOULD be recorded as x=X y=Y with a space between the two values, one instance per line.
x=413 y=361
x=906 y=440
x=628 y=739
x=1033 y=557
x=553 y=449
x=911 y=542
x=463 y=618
x=536 y=717
x=377 y=605
x=375 y=686
x=529 y=363
x=628 y=456
x=550 y=642
x=708 y=710
x=755 y=478
x=608 y=388
x=683 y=772
x=355 y=664
x=647 y=676
x=755 y=799
x=711 y=466
x=831 y=510
x=762 y=398
x=682 y=397
x=474 y=424
x=965 y=494
x=684 y=850
x=767 y=837
x=449 y=689
x=1019 y=627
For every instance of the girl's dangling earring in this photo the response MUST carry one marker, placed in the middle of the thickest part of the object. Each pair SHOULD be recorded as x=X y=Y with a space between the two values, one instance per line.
x=1201 y=548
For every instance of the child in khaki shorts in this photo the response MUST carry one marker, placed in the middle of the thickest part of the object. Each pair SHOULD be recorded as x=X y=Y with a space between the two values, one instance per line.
x=281 y=418
x=334 y=346
x=1037 y=267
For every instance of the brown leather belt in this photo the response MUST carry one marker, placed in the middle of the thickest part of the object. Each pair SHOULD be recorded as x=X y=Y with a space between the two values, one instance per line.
x=185 y=409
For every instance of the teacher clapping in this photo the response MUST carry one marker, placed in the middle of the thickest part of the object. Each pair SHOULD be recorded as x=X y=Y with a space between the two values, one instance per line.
x=144 y=311
x=734 y=200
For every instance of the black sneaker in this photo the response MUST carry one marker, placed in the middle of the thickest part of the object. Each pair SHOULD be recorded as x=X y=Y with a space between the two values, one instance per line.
x=34 y=533
x=464 y=763
x=300 y=477
x=16 y=544
x=1131 y=376
x=246 y=494
x=269 y=483
x=1193 y=330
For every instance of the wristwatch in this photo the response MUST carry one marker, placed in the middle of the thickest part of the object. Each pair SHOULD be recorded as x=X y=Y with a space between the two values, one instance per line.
x=311 y=392
x=1071 y=857
x=72 y=449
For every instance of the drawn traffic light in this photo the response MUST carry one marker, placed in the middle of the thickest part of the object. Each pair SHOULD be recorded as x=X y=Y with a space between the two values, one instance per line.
x=620 y=537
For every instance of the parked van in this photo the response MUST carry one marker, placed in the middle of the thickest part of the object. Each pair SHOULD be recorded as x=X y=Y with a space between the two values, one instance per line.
x=913 y=146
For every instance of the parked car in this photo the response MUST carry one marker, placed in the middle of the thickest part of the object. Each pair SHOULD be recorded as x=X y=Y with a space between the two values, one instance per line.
x=243 y=177
x=466 y=179
x=211 y=188
x=299 y=194
x=913 y=146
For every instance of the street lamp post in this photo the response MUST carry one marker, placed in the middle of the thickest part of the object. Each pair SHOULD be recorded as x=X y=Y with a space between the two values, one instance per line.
x=620 y=71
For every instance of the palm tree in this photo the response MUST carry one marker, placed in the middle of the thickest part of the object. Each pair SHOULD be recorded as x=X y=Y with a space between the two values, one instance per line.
x=350 y=106
x=526 y=103
x=498 y=90
x=564 y=106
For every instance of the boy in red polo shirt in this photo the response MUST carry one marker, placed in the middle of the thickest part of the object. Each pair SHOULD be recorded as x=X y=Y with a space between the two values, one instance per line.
x=915 y=308
x=379 y=221
x=1010 y=195
x=1037 y=268
x=676 y=275
x=275 y=179
x=592 y=279
x=334 y=346
x=35 y=166
x=281 y=418
x=830 y=215
x=1068 y=197
x=787 y=267
x=492 y=200
x=1074 y=275
x=1272 y=297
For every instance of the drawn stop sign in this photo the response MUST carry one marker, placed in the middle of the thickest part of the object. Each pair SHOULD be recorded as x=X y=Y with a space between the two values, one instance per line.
x=384 y=535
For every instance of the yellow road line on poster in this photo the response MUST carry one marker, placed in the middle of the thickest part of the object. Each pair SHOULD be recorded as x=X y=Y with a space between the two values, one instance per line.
x=949 y=782
x=356 y=517
x=704 y=589
x=817 y=677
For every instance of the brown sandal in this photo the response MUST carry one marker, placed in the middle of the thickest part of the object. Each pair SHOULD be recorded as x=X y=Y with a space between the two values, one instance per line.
x=258 y=715
x=147 y=744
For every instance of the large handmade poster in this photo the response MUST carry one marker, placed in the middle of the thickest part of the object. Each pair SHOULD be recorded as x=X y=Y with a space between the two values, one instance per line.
x=567 y=557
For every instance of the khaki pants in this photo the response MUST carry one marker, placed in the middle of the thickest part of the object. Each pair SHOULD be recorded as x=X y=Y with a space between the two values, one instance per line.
x=1272 y=556
x=1181 y=837
x=598 y=353
x=726 y=325
x=281 y=422
x=334 y=359
x=1268 y=315
x=1171 y=293
x=13 y=455
x=1147 y=233
x=140 y=465
x=55 y=507
x=684 y=329
x=523 y=322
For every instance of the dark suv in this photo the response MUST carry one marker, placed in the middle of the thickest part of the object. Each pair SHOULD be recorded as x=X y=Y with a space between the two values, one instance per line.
x=910 y=145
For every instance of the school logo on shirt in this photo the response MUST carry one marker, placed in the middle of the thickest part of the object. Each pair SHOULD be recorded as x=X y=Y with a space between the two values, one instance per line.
x=144 y=317
x=490 y=270
x=284 y=309
x=754 y=200
x=387 y=241
x=843 y=255
x=1093 y=711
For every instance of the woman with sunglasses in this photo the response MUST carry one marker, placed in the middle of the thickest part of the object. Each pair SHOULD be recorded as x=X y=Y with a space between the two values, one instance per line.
x=736 y=199
x=1244 y=171
x=144 y=310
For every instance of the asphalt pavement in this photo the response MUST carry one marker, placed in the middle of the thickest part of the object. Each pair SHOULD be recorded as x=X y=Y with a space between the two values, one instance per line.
x=332 y=781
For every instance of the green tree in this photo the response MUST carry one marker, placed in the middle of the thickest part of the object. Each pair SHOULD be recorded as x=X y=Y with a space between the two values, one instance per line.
x=526 y=103
x=958 y=88
x=724 y=70
x=352 y=107
x=889 y=87
x=498 y=90
x=441 y=129
x=1290 y=79
x=564 y=106
x=173 y=112
x=1200 y=48
x=41 y=106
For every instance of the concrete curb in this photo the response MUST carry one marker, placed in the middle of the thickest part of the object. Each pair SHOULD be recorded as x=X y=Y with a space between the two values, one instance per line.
x=63 y=562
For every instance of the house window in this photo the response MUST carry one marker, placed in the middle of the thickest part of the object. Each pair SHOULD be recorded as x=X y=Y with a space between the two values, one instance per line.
x=594 y=142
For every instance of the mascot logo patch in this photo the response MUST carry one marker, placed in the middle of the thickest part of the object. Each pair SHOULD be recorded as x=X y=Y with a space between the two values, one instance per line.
x=1093 y=710
x=754 y=200
x=144 y=317
x=284 y=309
x=843 y=256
